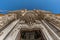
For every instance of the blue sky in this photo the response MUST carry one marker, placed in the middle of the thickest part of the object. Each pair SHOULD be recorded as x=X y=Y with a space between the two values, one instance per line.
x=50 y=5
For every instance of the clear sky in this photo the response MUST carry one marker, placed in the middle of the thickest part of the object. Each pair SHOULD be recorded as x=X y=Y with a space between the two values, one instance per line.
x=50 y=5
